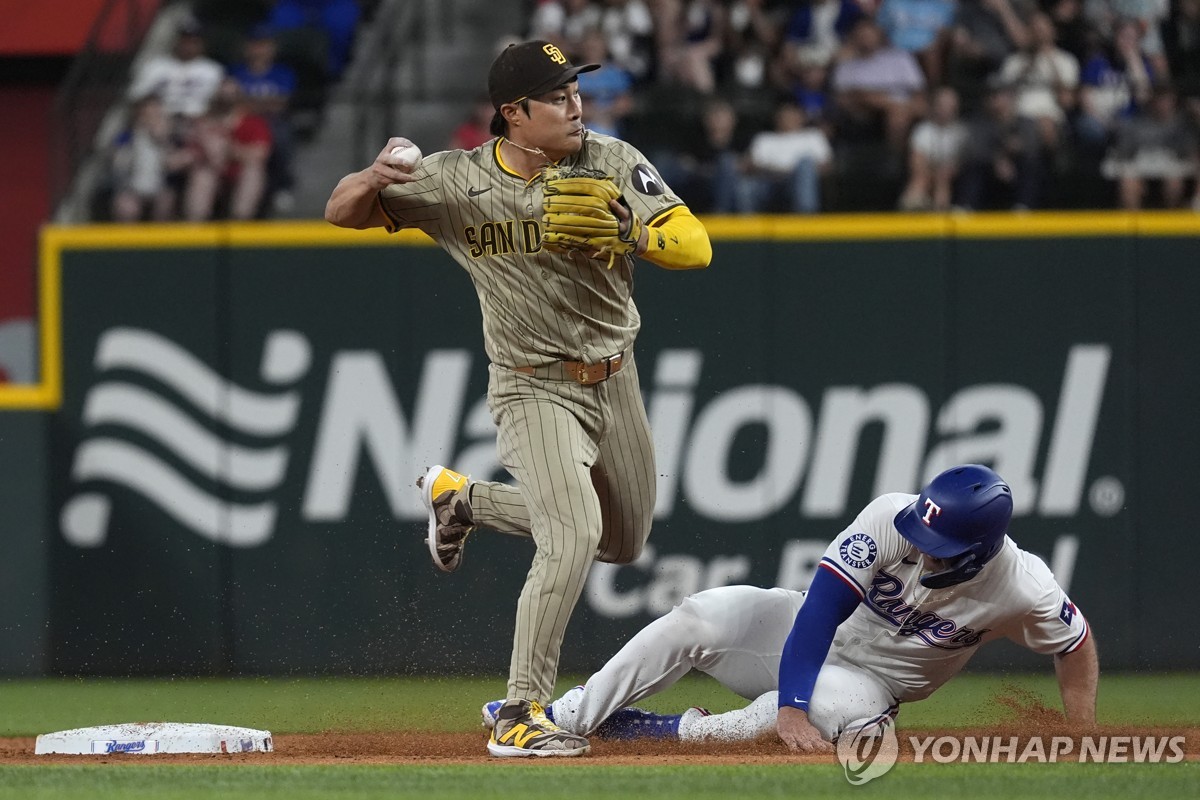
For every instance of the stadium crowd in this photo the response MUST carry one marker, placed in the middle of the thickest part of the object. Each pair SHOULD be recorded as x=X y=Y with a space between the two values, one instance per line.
x=211 y=135
x=745 y=105
x=780 y=105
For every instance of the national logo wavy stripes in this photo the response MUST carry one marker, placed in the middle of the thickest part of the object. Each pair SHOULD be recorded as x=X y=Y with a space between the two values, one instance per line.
x=120 y=413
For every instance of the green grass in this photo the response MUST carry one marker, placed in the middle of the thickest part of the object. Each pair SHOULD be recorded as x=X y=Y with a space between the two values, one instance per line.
x=282 y=705
x=921 y=782
x=285 y=705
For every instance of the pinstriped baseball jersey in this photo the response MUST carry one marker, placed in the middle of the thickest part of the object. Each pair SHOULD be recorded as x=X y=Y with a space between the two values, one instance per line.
x=538 y=305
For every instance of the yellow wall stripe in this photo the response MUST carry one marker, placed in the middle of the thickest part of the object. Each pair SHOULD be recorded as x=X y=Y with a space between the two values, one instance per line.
x=47 y=393
x=1000 y=225
x=240 y=234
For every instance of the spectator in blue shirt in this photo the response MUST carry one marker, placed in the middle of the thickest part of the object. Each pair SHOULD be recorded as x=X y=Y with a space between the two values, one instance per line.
x=811 y=93
x=266 y=82
x=606 y=92
x=816 y=29
x=921 y=27
x=1113 y=85
x=268 y=87
x=337 y=19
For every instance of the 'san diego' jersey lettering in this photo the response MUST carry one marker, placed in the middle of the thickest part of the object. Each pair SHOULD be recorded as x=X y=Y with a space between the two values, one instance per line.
x=539 y=305
x=502 y=238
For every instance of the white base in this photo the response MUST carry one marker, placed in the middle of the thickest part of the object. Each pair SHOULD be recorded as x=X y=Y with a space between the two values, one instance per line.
x=155 y=737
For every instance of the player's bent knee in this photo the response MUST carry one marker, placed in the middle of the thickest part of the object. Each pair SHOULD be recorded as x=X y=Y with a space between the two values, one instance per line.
x=623 y=546
x=625 y=555
x=842 y=696
x=689 y=626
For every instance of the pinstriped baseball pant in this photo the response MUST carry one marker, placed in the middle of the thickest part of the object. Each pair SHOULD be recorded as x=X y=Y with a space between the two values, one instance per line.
x=583 y=459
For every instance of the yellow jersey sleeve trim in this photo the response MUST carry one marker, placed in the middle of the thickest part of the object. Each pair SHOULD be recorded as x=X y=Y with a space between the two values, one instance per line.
x=391 y=225
x=659 y=217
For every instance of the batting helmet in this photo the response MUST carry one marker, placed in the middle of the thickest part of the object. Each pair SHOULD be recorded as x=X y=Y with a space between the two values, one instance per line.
x=961 y=516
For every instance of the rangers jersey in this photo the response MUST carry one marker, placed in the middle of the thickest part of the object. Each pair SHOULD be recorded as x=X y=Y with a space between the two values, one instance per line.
x=915 y=639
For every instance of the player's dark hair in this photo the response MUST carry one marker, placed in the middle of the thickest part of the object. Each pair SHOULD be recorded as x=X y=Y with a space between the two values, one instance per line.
x=499 y=126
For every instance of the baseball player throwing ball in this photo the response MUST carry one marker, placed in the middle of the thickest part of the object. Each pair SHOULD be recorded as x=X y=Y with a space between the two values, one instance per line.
x=548 y=220
x=903 y=598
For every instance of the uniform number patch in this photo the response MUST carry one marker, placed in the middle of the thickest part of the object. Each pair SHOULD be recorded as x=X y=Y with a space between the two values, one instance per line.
x=859 y=550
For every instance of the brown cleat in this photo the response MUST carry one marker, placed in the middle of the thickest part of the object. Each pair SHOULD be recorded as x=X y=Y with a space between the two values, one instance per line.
x=522 y=730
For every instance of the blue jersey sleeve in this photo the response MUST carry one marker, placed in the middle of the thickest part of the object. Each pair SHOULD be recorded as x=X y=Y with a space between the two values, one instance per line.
x=829 y=602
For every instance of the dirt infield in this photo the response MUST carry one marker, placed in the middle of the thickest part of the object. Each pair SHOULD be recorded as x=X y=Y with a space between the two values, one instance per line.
x=409 y=747
x=1036 y=721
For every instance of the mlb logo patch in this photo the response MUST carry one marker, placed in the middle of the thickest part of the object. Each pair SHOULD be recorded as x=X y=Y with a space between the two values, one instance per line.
x=1067 y=614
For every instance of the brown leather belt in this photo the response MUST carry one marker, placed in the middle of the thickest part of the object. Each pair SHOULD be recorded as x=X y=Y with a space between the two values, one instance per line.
x=577 y=371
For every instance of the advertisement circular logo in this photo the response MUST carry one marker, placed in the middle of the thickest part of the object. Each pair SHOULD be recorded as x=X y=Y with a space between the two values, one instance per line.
x=868 y=748
x=859 y=551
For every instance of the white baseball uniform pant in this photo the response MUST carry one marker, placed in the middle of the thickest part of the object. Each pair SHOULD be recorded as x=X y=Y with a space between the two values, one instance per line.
x=735 y=634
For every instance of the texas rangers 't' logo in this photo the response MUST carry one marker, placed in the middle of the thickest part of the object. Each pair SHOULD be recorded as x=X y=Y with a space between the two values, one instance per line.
x=932 y=509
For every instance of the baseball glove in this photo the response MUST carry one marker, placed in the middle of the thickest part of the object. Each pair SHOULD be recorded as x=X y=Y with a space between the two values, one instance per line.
x=576 y=214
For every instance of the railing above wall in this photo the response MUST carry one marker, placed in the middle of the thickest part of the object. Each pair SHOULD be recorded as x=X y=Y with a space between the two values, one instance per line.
x=393 y=37
x=95 y=81
x=394 y=65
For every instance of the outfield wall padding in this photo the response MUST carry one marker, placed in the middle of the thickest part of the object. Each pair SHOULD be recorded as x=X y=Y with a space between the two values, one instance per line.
x=228 y=484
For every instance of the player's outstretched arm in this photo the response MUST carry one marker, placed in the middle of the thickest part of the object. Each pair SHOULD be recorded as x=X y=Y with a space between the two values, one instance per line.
x=1078 y=675
x=353 y=203
x=829 y=602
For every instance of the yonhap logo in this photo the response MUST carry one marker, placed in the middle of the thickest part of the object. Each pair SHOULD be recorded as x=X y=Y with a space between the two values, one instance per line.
x=868 y=748
x=128 y=413
x=1107 y=749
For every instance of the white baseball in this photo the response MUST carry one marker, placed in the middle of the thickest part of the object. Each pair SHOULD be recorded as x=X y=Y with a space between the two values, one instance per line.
x=406 y=157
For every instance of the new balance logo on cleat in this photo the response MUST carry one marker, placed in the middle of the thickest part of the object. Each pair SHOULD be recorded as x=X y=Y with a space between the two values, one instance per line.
x=519 y=734
x=522 y=731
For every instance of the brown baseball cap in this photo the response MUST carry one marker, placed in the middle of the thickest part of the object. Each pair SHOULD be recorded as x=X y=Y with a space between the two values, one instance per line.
x=529 y=69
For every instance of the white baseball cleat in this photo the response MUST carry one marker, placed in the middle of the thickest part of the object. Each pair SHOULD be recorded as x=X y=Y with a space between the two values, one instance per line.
x=446 y=495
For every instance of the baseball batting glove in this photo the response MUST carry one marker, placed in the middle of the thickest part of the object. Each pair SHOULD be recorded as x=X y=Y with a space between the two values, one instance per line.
x=577 y=216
